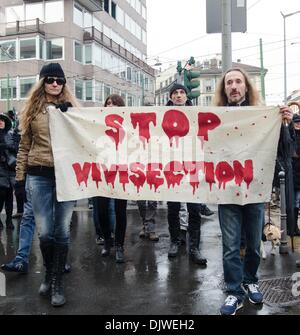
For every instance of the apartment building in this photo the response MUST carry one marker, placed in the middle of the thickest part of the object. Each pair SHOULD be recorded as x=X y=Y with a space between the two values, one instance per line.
x=210 y=72
x=101 y=44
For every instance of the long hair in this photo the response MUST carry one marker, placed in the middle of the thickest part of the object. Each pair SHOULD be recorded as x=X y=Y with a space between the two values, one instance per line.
x=252 y=95
x=37 y=101
x=116 y=99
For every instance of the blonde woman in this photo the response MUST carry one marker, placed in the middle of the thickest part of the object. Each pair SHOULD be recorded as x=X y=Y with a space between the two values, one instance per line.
x=35 y=161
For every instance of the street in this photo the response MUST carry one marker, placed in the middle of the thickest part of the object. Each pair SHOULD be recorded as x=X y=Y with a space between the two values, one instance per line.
x=147 y=284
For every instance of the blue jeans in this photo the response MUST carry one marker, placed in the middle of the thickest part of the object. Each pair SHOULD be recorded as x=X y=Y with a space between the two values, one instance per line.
x=236 y=271
x=297 y=198
x=54 y=217
x=26 y=229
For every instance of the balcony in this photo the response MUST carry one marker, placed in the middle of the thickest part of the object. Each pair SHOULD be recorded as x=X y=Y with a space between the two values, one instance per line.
x=92 y=5
x=24 y=27
x=92 y=34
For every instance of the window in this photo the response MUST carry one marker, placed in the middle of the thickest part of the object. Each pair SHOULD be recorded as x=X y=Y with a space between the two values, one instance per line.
x=33 y=11
x=8 y=88
x=122 y=73
x=78 y=16
x=144 y=36
x=208 y=100
x=129 y=100
x=106 y=6
x=54 y=11
x=41 y=46
x=8 y=50
x=79 y=89
x=88 y=54
x=99 y=92
x=129 y=73
x=87 y=17
x=78 y=52
x=120 y=15
x=25 y=86
x=27 y=49
x=88 y=90
x=54 y=48
x=106 y=91
x=113 y=9
x=97 y=24
x=98 y=56
x=144 y=13
x=13 y=14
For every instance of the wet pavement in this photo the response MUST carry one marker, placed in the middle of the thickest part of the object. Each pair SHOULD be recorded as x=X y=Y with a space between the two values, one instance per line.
x=147 y=284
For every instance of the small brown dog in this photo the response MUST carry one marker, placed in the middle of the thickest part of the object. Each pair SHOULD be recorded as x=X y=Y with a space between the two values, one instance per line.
x=273 y=234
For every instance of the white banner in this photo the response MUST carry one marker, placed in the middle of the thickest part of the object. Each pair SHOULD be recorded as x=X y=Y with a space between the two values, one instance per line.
x=189 y=154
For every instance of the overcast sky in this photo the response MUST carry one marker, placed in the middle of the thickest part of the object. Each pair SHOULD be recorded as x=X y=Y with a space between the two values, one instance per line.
x=177 y=30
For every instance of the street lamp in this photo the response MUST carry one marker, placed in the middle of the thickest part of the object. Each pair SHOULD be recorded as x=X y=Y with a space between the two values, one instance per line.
x=284 y=47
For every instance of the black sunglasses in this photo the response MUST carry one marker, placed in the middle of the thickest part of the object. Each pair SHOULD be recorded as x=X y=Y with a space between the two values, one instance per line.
x=51 y=80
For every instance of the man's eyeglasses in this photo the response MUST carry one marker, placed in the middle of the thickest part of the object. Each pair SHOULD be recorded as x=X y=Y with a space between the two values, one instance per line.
x=51 y=80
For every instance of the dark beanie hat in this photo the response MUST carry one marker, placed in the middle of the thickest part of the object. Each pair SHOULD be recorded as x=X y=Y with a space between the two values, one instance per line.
x=177 y=87
x=52 y=70
x=296 y=117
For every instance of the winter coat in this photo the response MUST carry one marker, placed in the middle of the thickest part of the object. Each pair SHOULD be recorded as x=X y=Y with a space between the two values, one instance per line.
x=296 y=161
x=8 y=152
x=35 y=146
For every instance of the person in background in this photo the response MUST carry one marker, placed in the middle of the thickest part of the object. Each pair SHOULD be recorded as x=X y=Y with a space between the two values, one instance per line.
x=8 y=152
x=35 y=161
x=104 y=207
x=296 y=171
x=178 y=97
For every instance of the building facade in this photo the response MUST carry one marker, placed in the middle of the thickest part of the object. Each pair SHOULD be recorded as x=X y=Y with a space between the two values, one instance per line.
x=101 y=45
x=210 y=74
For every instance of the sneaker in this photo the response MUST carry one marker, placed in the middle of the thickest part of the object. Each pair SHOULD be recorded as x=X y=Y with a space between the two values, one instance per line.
x=153 y=237
x=99 y=240
x=15 y=266
x=142 y=233
x=120 y=254
x=254 y=295
x=231 y=305
x=206 y=211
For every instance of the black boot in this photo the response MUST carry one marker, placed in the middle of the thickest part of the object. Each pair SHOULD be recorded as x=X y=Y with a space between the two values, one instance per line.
x=174 y=230
x=297 y=230
x=47 y=253
x=106 y=247
x=59 y=261
x=120 y=254
x=195 y=256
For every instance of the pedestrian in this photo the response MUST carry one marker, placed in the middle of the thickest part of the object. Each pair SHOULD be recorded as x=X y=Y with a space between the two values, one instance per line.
x=105 y=208
x=296 y=171
x=35 y=161
x=178 y=97
x=8 y=152
x=236 y=89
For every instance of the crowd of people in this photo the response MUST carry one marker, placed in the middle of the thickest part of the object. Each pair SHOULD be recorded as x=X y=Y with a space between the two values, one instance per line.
x=27 y=166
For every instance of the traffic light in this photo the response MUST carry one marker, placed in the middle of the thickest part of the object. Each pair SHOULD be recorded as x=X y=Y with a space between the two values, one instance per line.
x=191 y=83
